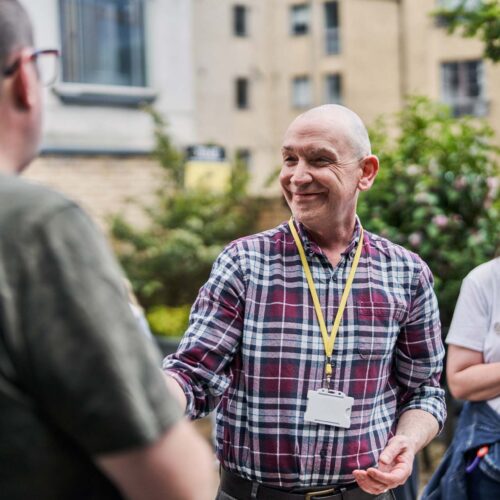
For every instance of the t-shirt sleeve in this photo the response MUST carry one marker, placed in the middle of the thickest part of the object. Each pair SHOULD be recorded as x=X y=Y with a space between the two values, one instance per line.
x=81 y=354
x=469 y=325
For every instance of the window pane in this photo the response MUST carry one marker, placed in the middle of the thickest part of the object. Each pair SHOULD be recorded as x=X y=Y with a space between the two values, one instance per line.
x=333 y=90
x=300 y=19
x=332 y=45
x=451 y=4
x=239 y=20
x=301 y=92
x=462 y=86
x=241 y=93
x=244 y=157
x=103 y=42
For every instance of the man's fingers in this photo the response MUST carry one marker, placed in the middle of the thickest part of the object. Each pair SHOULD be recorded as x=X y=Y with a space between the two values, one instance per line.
x=368 y=484
x=397 y=476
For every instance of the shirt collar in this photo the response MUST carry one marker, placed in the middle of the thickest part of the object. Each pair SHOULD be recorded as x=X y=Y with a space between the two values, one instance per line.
x=311 y=247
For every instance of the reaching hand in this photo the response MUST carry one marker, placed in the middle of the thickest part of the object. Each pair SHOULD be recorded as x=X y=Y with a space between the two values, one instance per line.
x=394 y=467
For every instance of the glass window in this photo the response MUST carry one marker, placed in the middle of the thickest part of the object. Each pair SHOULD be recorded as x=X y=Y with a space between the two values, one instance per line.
x=242 y=101
x=244 y=157
x=103 y=42
x=300 y=19
x=301 y=92
x=462 y=87
x=333 y=89
x=452 y=4
x=240 y=20
x=332 y=34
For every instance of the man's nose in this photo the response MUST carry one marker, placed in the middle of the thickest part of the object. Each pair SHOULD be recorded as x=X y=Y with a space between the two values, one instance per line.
x=301 y=174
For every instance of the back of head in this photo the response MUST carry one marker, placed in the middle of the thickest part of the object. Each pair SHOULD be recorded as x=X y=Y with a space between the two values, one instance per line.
x=15 y=30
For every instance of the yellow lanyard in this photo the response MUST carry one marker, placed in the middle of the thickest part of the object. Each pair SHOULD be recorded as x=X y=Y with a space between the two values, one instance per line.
x=327 y=341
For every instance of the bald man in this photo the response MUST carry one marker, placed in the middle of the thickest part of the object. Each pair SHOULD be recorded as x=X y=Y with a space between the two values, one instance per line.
x=317 y=341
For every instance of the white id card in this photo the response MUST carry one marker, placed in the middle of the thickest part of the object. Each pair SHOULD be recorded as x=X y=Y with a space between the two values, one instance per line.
x=329 y=408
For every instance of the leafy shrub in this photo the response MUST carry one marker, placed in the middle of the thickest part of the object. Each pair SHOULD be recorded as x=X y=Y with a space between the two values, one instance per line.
x=436 y=192
x=170 y=260
x=168 y=321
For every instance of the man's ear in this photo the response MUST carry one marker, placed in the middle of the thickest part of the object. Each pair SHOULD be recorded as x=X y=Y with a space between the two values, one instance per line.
x=25 y=82
x=369 y=166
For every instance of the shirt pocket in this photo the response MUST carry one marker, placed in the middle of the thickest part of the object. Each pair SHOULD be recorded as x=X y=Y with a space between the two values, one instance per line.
x=378 y=328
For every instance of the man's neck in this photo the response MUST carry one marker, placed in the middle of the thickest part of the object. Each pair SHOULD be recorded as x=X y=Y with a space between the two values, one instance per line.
x=333 y=238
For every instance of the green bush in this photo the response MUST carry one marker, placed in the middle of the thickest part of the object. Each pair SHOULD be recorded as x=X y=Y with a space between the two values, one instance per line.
x=436 y=192
x=169 y=261
x=168 y=321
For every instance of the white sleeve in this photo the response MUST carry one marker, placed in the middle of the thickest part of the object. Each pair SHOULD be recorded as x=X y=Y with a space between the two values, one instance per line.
x=469 y=326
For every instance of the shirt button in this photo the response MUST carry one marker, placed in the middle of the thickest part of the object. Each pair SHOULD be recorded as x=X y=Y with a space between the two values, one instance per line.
x=323 y=453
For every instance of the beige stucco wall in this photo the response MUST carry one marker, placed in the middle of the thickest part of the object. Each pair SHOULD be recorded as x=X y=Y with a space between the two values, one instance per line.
x=389 y=49
x=103 y=186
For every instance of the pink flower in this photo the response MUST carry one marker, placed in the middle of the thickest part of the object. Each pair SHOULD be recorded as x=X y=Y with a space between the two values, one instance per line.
x=440 y=220
x=415 y=239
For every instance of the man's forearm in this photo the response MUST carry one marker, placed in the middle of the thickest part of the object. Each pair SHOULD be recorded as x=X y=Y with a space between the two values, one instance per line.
x=176 y=390
x=419 y=426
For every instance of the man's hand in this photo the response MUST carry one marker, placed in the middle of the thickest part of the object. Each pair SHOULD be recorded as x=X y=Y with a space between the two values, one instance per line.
x=415 y=429
x=394 y=467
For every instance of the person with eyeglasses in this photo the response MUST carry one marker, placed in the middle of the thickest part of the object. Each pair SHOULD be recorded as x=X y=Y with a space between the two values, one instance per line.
x=317 y=342
x=84 y=409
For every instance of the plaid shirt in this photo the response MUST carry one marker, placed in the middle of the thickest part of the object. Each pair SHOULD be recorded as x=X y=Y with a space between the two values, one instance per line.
x=254 y=348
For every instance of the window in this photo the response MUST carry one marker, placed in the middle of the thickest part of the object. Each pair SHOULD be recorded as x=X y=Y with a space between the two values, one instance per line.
x=103 y=42
x=332 y=38
x=242 y=93
x=333 y=89
x=301 y=92
x=244 y=157
x=240 y=20
x=462 y=86
x=468 y=5
x=300 y=19
x=452 y=4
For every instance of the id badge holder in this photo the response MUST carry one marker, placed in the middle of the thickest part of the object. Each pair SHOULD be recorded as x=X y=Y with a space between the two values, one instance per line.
x=329 y=408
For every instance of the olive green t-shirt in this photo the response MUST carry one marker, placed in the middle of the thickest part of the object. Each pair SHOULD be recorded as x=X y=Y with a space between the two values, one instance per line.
x=77 y=378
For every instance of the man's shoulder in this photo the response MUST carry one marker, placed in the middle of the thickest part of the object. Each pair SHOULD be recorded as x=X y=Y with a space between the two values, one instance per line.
x=262 y=241
x=24 y=203
x=393 y=251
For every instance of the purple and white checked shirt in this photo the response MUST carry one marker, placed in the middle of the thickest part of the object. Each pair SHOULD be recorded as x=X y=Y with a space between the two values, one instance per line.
x=254 y=348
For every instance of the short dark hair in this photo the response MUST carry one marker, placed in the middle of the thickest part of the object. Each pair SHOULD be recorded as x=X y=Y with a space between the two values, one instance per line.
x=16 y=31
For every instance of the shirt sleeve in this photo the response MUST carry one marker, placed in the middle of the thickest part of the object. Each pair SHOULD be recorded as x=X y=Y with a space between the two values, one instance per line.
x=81 y=355
x=469 y=325
x=419 y=353
x=202 y=362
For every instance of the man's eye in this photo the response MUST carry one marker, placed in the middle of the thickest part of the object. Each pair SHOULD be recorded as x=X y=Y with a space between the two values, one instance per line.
x=321 y=161
x=289 y=159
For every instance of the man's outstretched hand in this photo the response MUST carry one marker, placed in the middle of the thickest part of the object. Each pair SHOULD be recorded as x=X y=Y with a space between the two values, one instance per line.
x=394 y=467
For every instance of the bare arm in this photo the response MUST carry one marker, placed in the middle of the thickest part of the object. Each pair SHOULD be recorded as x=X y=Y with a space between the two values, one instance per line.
x=469 y=377
x=415 y=429
x=176 y=390
x=179 y=466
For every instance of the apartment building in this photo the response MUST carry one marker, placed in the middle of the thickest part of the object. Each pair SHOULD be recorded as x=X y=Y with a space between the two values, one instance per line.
x=260 y=63
x=233 y=73
x=116 y=57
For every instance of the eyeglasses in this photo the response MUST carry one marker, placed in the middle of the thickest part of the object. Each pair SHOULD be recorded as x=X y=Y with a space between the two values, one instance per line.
x=47 y=63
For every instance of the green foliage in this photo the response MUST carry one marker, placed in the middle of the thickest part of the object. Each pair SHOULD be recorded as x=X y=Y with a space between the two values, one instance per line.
x=169 y=261
x=436 y=193
x=482 y=21
x=168 y=321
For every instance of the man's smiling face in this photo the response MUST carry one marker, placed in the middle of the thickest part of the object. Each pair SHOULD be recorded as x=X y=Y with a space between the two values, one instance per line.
x=321 y=172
